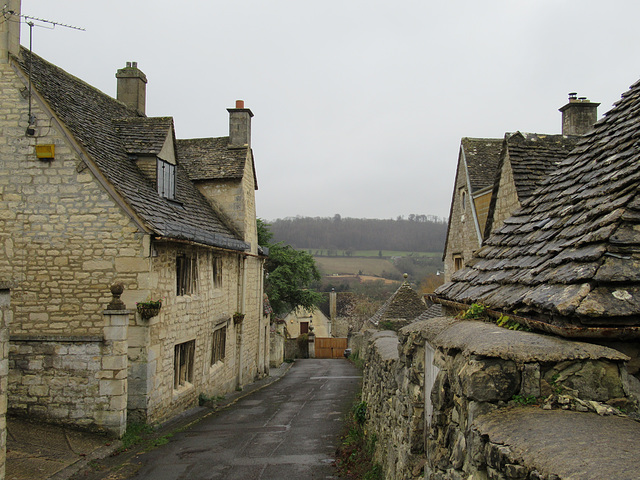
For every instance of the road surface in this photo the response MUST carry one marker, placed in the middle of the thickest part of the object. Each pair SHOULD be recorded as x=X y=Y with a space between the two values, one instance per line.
x=286 y=431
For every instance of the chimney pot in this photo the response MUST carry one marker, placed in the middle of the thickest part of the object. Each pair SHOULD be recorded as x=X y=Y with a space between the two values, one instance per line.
x=239 y=103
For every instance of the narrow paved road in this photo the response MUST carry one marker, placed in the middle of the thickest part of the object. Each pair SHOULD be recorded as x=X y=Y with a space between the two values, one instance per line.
x=287 y=431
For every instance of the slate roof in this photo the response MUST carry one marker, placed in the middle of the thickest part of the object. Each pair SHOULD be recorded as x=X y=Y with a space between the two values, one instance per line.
x=404 y=306
x=212 y=158
x=482 y=156
x=571 y=254
x=143 y=135
x=532 y=157
x=109 y=132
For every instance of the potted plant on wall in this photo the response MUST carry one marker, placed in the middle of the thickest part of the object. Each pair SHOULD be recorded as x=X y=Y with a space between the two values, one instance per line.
x=149 y=309
x=238 y=317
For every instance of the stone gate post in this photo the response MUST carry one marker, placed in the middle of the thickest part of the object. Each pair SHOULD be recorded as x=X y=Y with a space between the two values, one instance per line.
x=113 y=381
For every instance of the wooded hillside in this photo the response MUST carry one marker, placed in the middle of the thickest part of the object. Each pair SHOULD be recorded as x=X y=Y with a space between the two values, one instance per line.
x=417 y=233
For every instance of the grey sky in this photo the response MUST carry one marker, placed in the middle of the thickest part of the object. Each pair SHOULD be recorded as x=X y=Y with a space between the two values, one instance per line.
x=359 y=105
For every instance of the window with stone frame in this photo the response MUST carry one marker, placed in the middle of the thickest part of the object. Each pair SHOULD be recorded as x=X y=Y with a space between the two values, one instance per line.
x=218 y=349
x=183 y=363
x=458 y=262
x=186 y=274
x=166 y=174
x=304 y=327
x=463 y=200
x=217 y=272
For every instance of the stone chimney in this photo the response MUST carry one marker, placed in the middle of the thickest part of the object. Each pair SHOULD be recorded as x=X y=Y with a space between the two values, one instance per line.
x=239 y=125
x=132 y=87
x=579 y=115
x=10 y=30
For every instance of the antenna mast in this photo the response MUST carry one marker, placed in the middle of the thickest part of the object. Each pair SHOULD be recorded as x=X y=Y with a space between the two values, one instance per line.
x=29 y=20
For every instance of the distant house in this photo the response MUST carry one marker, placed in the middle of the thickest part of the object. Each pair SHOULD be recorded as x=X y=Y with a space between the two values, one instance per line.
x=494 y=176
x=400 y=309
x=478 y=161
x=567 y=261
x=94 y=193
x=302 y=321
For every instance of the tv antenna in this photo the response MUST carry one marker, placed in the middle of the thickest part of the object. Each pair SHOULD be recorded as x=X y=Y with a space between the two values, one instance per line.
x=9 y=15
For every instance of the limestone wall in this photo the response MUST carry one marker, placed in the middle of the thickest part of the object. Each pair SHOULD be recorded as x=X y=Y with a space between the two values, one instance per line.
x=5 y=320
x=276 y=341
x=426 y=389
x=195 y=317
x=507 y=199
x=72 y=380
x=462 y=237
x=63 y=238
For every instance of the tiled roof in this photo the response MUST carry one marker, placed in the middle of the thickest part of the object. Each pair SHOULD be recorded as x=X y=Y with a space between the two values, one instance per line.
x=482 y=156
x=143 y=135
x=532 y=157
x=571 y=254
x=108 y=131
x=211 y=158
x=404 y=306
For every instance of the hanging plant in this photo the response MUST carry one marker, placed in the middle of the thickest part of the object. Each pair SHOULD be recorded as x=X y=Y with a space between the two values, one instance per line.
x=238 y=317
x=149 y=309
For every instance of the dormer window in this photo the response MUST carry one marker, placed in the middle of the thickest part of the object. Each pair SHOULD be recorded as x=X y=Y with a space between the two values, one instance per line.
x=166 y=179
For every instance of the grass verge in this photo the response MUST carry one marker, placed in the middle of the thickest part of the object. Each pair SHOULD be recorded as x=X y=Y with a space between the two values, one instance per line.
x=355 y=453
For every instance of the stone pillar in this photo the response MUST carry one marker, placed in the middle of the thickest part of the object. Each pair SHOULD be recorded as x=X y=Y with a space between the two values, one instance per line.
x=113 y=382
x=5 y=319
x=312 y=342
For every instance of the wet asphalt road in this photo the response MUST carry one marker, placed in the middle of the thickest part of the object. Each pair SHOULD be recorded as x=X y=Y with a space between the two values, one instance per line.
x=286 y=431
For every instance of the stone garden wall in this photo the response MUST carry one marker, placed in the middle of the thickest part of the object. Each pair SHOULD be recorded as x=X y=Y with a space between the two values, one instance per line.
x=276 y=340
x=5 y=320
x=427 y=387
x=78 y=381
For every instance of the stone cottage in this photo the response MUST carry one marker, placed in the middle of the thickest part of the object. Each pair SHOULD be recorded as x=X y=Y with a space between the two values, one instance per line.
x=92 y=193
x=566 y=262
x=478 y=160
x=494 y=176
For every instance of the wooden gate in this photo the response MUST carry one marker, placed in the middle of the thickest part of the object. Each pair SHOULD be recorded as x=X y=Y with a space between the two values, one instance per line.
x=330 y=347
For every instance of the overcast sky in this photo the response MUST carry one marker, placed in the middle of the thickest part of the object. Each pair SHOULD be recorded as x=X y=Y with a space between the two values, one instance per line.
x=359 y=105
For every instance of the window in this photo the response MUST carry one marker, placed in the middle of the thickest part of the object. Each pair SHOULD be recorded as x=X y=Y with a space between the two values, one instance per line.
x=166 y=179
x=463 y=199
x=457 y=263
x=304 y=327
x=217 y=272
x=183 y=363
x=186 y=274
x=219 y=344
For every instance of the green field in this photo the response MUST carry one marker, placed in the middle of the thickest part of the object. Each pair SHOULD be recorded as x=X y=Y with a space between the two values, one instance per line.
x=354 y=265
